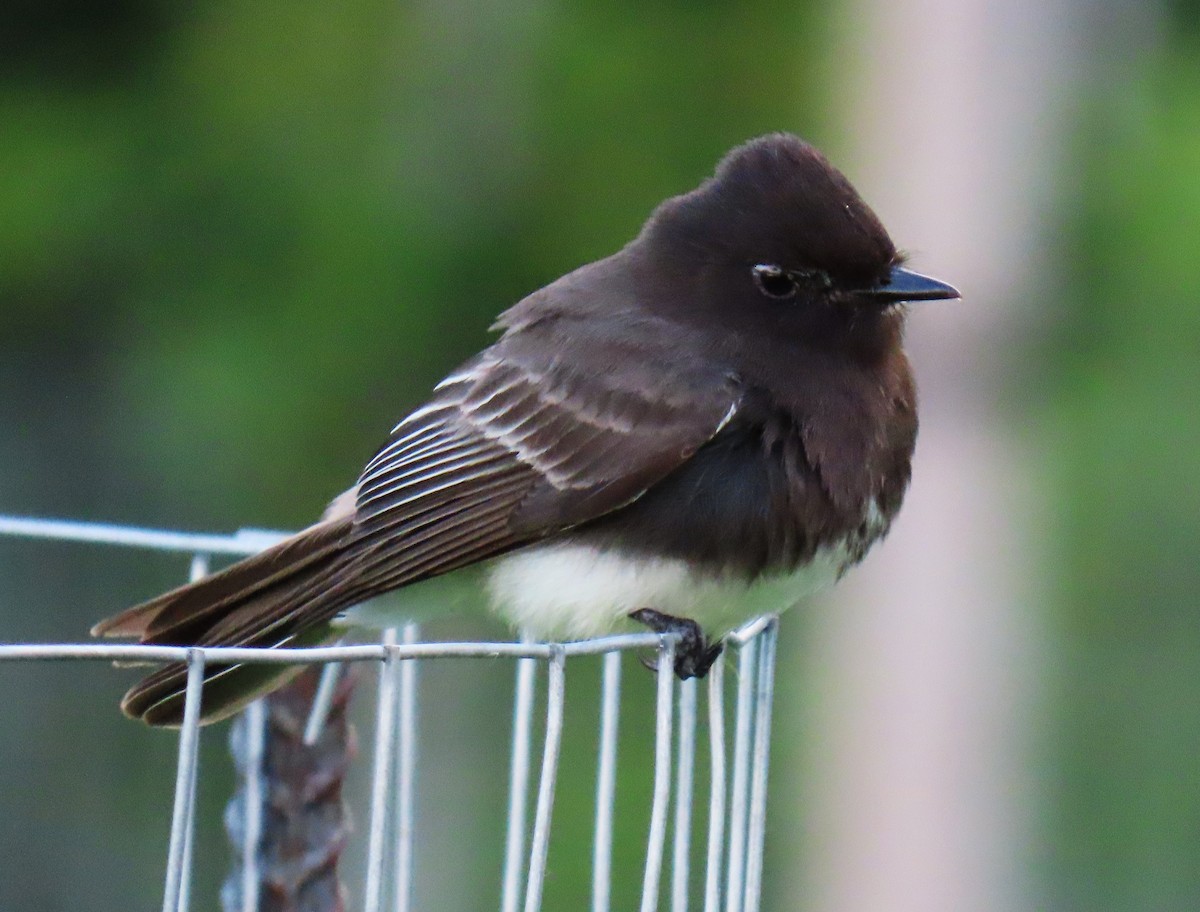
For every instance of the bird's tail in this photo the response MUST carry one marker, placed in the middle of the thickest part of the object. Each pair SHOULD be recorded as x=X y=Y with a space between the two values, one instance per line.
x=285 y=595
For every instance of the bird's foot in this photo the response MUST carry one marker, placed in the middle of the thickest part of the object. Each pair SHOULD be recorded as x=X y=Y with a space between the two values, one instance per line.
x=694 y=655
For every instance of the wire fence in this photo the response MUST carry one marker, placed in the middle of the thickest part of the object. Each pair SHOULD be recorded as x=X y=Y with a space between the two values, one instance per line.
x=738 y=754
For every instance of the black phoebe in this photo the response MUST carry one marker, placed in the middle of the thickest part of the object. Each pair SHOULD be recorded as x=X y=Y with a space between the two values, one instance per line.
x=707 y=425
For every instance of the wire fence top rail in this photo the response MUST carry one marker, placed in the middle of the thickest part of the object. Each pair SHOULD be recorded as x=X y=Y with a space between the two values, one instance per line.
x=282 y=655
x=242 y=542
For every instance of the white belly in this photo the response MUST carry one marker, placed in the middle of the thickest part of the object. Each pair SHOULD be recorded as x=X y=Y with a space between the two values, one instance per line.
x=569 y=591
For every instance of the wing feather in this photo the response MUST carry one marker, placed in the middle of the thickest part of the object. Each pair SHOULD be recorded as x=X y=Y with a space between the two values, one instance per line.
x=536 y=434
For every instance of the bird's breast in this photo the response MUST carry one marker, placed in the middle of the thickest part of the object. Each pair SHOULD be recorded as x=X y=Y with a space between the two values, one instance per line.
x=745 y=505
x=744 y=527
x=573 y=589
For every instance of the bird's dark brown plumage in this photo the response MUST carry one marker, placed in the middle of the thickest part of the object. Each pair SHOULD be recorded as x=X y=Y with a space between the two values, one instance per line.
x=662 y=403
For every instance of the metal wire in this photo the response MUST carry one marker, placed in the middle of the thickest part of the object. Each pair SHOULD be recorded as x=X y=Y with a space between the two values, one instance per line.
x=199 y=568
x=735 y=868
x=606 y=782
x=716 y=793
x=540 y=844
x=662 y=778
x=737 y=804
x=252 y=814
x=757 y=825
x=385 y=750
x=685 y=764
x=406 y=777
x=242 y=543
x=178 y=867
x=518 y=785
x=322 y=702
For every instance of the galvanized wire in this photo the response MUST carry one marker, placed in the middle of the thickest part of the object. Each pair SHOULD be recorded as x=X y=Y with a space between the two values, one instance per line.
x=385 y=750
x=757 y=826
x=685 y=759
x=322 y=702
x=606 y=782
x=737 y=804
x=539 y=849
x=662 y=778
x=199 y=568
x=406 y=778
x=716 y=787
x=175 y=892
x=736 y=866
x=518 y=785
x=254 y=733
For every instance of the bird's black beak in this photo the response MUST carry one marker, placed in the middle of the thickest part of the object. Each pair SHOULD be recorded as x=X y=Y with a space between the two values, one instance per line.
x=906 y=285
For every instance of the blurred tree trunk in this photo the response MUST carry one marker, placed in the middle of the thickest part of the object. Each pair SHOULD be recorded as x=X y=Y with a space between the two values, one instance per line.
x=927 y=662
x=304 y=819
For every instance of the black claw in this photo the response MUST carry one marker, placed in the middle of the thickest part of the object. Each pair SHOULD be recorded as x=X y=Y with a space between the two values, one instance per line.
x=694 y=655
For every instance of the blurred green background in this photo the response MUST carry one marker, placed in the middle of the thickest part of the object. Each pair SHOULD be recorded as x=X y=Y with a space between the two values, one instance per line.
x=239 y=239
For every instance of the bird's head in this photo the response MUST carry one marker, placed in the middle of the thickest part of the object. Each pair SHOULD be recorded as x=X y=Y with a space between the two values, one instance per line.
x=779 y=238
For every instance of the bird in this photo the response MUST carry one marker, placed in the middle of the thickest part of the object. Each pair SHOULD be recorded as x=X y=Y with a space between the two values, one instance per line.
x=712 y=423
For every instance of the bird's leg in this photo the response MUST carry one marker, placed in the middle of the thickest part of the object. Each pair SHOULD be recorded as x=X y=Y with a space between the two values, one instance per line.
x=694 y=655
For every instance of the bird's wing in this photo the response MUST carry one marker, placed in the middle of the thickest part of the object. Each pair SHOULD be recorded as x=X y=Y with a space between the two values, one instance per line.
x=559 y=422
x=537 y=434
x=556 y=424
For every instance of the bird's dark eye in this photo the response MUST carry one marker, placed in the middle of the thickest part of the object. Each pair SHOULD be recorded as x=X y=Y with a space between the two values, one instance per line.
x=774 y=281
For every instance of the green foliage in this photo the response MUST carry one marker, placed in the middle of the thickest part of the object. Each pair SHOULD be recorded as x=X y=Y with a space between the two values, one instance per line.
x=1126 y=432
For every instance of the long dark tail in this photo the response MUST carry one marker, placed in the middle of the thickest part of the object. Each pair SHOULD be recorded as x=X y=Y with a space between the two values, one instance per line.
x=285 y=595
